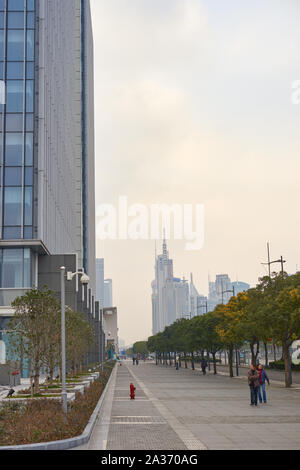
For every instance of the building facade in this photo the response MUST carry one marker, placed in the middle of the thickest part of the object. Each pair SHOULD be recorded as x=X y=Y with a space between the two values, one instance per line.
x=108 y=293
x=170 y=295
x=100 y=281
x=47 y=181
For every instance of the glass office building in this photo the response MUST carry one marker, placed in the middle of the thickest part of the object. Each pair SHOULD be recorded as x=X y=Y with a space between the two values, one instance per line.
x=17 y=66
x=47 y=201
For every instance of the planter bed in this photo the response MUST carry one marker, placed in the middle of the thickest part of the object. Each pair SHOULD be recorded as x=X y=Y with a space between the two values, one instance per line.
x=41 y=420
x=54 y=396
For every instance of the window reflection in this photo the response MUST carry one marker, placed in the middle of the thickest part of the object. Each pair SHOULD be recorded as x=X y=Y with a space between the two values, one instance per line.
x=12 y=206
x=13 y=149
x=14 y=96
x=15 y=44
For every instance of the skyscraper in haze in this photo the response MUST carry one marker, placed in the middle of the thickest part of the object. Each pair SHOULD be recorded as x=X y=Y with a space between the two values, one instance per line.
x=170 y=295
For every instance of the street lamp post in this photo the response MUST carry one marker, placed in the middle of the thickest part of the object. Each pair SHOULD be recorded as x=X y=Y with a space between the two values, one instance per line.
x=63 y=340
x=84 y=280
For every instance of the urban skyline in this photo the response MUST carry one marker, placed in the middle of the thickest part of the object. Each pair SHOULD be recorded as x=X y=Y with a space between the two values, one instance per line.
x=202 y=112
x=174 y=298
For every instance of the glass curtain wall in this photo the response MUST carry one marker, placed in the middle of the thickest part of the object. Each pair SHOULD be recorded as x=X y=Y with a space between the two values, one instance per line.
x=17 y=54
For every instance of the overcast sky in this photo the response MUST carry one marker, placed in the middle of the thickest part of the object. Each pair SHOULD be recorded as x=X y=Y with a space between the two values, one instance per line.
x=193 y=105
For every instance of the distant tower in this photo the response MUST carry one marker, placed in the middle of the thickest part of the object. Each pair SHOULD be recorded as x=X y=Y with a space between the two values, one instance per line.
x=165 y=251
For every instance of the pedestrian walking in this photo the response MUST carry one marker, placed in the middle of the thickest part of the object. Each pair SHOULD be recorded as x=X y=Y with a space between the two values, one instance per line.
x=203 y=366
x=133 y=360
x=253 y=382
x=137 y=361
x=262 y=378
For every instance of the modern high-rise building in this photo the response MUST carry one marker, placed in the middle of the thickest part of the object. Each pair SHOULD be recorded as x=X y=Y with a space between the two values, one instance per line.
x=170 y=295
x=47 y=182
x=108 y=293
x=100 y=281
x=239 y=287
x=222 y=289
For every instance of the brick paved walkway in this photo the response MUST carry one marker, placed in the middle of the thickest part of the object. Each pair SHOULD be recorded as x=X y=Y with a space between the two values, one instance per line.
x=184 y=410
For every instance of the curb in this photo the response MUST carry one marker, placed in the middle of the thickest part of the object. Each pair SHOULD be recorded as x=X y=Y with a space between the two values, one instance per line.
x=73 y=441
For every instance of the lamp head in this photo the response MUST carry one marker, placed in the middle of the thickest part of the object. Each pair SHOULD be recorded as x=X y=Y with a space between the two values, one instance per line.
x=85 y=279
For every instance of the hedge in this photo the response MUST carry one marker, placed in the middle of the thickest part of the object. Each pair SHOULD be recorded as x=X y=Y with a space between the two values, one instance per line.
x=279 y=365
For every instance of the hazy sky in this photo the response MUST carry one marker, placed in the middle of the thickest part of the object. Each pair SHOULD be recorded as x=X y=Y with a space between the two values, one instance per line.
x=193 y=105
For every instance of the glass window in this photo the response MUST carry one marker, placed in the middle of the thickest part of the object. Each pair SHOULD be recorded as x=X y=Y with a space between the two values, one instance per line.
x=15 y=44
x=12 y=206
x=1 y=20
x=29 y=96
x=28 y=233
x=27 y=267
x=30 y=20
x=29 y=122
x=12 y=233
x=30 y=70
x=30 y=5
x=2 y=5
x=1 y=153
x=30 y=45
x=13 y=149
x=12 y=275
x=1 y=44
x=15 y=5
x=15 y=70
x=28 y=206
x=15 y=20
x=13 y=176
x=1 y=70
x=29 y=149
x=28 y=176
x=14 y=122
x=14 y=96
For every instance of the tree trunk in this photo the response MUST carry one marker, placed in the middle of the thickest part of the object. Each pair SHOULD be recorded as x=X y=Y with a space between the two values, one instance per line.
x=215 y=362
x=274 y=349
x=51 y=373
x=36 y=383
x=266 y=354
x=185 y=361
x=179 y=360
x=254 y=354
x=192 y=361
x=170 y=360
x=230 y=361
x=31 y=385
x=285 y=353
x=46 y=381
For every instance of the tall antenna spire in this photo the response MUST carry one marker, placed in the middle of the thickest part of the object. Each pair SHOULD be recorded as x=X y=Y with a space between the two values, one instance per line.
x=165 y=251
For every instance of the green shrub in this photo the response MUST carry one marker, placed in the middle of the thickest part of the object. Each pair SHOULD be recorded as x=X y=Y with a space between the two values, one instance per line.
x=279 y=365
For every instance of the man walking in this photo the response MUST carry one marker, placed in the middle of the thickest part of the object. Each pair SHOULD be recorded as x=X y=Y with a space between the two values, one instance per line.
x=253 y=382
x=203 y=366
x=262 y=378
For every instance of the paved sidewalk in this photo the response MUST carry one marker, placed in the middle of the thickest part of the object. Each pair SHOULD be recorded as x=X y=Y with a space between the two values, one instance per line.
x=275 y=376
x=185 y=410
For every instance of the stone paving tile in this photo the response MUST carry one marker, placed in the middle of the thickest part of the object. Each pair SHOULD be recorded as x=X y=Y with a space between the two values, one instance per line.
x=140 y=437
x=213 y=410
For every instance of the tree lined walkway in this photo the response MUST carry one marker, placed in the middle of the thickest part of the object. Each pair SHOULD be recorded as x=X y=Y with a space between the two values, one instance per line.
x=185 y=410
